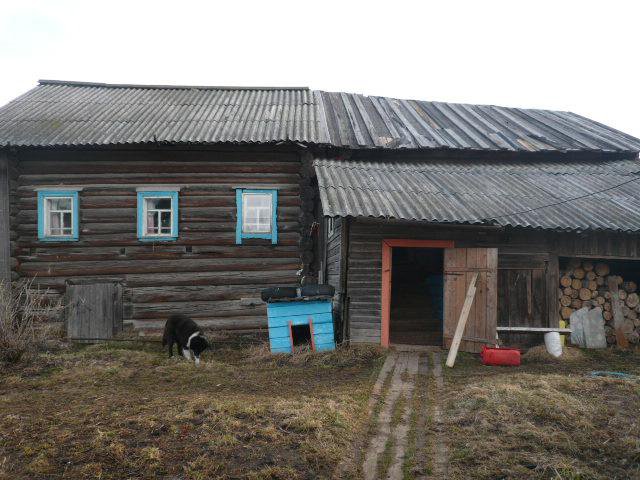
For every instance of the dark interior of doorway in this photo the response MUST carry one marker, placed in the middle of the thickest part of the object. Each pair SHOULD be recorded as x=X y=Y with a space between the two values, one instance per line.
x=301 y=336
x=417 y=296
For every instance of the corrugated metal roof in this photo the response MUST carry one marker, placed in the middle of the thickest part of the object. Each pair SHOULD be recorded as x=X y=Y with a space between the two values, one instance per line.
x=358 y=121
x=498 y=193
x=59 y=113
x=76 y=113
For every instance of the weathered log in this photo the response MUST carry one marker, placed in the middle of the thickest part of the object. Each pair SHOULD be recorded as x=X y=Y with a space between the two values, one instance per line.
x=565 y=300
x=565 y=312
x=627 y=327
x=576 y=304
x=600 y=281
x=584 y=294
x=567 y=291
x=587 y=266
x=576 y=284
x=622 y=295
x=565 y=281
x=630 y=286
x=600 y=300
x=607 y=306
x=632 y=300
x=579 y=273
x=602 y=269
x=591 y=275
x=607 y=316
x=592 y=285
x=574 y=293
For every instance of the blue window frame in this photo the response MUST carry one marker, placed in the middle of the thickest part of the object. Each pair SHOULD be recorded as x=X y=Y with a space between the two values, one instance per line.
x=257 y=214
x=157 y=215
x=58 y=218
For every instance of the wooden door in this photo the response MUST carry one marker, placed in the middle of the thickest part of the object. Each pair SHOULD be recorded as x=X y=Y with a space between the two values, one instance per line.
x=460 y=264
x=94 y=311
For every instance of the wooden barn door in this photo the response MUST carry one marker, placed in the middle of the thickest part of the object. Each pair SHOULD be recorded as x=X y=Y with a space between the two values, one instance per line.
x=94 y=311
x=460 y=264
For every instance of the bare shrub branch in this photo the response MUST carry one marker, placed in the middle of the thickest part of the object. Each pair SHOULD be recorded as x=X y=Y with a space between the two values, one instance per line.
x=24 y=311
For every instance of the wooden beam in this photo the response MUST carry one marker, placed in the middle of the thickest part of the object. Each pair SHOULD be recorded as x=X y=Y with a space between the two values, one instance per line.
x=533 y=329
x=462 y=321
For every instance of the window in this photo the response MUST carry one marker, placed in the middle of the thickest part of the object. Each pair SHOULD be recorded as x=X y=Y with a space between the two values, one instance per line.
x=257 y=215
x=58 y=215
x=157 y=215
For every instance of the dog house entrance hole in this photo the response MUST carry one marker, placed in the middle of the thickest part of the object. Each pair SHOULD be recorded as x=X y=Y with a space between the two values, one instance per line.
x=301 y=336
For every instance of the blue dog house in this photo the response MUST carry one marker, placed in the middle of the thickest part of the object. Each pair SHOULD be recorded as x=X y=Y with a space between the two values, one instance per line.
x=288 y=317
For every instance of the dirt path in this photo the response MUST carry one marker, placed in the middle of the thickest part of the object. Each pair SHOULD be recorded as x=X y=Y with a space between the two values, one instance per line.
x=401 y=422
x=440 y=454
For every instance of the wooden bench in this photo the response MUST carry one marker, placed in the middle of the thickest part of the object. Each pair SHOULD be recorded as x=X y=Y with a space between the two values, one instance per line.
x=533 y=329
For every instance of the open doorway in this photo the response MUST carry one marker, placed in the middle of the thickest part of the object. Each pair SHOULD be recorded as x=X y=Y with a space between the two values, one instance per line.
x=417 y=296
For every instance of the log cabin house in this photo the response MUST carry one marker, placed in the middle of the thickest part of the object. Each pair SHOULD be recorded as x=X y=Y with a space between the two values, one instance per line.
x=133 y=202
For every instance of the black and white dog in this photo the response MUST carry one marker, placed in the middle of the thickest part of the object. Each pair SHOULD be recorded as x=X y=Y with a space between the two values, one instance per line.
x=185 y=332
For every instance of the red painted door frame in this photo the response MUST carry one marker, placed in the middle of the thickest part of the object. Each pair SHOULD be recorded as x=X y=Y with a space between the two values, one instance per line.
x=387 y=246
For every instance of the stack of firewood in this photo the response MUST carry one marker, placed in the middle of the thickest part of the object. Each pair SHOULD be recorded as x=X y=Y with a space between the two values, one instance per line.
x=587 y=284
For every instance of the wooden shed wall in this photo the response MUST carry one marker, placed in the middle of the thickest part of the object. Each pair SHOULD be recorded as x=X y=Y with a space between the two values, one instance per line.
x=334 y=253
x=527 y=257
x=203 y=274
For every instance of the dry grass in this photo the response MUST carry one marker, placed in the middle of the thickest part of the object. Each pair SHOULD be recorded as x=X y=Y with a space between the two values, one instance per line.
x=22 y=331
x=539 y=354
x=112 y=412
x=546 y=419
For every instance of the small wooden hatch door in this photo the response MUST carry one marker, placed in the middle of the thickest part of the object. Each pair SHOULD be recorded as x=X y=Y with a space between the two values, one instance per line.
x=94 y=311
x=460 y=264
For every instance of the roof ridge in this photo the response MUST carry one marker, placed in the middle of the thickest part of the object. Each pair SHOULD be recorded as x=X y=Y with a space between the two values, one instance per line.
x=75 y=83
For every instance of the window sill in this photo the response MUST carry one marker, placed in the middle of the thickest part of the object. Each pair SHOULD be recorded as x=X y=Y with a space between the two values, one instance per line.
x=157 y=239
x=57 y=239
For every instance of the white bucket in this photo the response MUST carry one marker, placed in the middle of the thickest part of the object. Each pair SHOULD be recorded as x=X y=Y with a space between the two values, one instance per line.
x=553 y=343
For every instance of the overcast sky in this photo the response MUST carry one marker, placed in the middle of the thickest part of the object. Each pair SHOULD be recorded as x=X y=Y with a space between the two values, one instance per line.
x=582 y=56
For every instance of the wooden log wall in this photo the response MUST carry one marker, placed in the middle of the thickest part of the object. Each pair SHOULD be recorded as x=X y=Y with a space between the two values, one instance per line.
x=5 y=220
x=204 y=273
x=527 y=259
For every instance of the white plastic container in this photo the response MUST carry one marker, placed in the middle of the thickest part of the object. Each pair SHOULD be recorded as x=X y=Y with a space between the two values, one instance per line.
x=553 y=343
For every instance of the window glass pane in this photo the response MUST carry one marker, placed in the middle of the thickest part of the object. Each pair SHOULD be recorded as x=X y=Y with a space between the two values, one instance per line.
x=256 y=213
x=58 y=204
x=55 y=220
x=66 y=219
x=158 y=203
x=151 y=223
x=165 y=225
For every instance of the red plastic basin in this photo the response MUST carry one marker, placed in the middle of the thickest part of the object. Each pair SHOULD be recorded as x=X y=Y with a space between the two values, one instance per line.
x=509 y=357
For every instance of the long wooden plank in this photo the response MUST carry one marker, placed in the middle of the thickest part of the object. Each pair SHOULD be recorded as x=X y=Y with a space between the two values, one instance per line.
x=533 y=329
x=466 y=308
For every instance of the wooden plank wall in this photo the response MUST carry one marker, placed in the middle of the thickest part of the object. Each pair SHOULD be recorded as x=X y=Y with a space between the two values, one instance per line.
x=203 y=274
x=525 y=246
x=334 y=253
